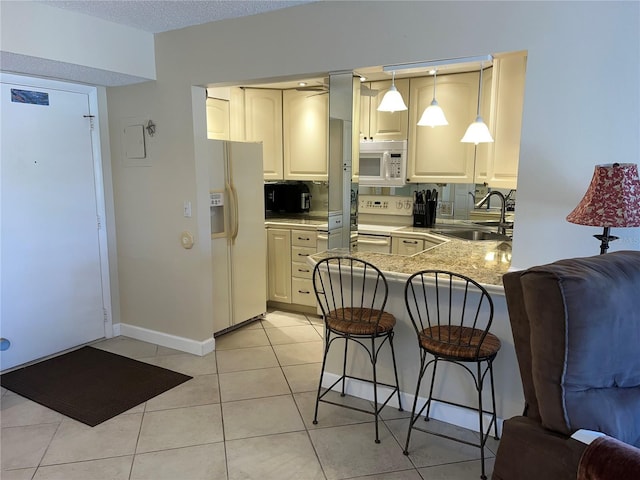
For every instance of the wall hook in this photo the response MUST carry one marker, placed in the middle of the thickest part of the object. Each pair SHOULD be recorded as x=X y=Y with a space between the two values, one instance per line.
x=151 y=128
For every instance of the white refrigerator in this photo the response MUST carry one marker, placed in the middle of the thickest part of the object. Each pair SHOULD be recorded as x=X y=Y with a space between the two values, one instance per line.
x=238 y=237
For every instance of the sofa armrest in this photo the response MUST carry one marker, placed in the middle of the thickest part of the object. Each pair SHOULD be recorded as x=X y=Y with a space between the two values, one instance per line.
x=607 y=458
x=528 y=451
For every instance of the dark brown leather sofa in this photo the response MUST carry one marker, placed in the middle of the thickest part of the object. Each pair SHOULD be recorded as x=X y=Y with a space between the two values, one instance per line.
x=576 y=329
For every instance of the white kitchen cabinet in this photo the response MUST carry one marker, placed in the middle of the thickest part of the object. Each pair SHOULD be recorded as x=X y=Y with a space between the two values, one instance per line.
x=485 y=150
x=355 y=134
x=279 y=264
x=303 y=244
x=289 y=274
x=263 y=123
x=436 y=155
x=305 y=135
x=375 y=125
x=217 y=119
x=501 y=158
x=236 y=114
x=406 y=245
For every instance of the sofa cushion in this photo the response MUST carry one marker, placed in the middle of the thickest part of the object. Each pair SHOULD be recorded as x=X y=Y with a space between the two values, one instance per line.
x=584 y=316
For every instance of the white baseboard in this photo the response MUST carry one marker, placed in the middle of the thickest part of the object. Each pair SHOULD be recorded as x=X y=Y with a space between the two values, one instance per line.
x=166 y=340
x=459 y=416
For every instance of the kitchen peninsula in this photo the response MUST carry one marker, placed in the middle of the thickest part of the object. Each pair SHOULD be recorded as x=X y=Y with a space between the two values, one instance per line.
x=484 y=261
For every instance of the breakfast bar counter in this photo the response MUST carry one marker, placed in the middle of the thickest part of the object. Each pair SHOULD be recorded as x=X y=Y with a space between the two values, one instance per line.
x=483 y=261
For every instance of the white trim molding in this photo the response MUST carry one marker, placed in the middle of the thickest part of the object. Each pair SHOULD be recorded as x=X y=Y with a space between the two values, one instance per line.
x=183 y=344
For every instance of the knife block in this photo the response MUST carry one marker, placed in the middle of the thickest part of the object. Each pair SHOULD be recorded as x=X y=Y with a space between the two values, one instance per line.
x=424 y=214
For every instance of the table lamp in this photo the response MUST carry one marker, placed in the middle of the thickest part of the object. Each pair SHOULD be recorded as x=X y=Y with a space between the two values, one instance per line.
x=612 y=200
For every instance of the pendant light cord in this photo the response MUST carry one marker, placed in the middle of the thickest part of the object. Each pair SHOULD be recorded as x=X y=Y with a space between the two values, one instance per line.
x=480 y=89
x=435 y=72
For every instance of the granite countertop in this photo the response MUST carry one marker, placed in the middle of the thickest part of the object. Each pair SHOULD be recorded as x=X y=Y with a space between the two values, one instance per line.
x=483 y=261
x=297 y=222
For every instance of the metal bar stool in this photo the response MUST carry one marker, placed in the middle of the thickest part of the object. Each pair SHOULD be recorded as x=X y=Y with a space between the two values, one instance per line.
x=352 y=295
x=452 y=315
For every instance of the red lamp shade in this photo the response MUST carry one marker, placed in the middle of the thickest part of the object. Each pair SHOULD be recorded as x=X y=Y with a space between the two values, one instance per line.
x=612 y=199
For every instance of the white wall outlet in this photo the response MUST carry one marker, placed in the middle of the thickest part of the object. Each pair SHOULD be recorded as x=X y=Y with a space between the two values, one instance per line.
x=446 y=209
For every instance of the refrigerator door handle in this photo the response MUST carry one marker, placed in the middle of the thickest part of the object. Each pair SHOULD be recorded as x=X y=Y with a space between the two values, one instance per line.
x=234 y=213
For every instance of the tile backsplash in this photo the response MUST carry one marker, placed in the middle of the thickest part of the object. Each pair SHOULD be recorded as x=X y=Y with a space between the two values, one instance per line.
x=455 y=200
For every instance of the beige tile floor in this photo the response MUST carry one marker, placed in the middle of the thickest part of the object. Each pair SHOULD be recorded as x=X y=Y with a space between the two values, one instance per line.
x=246 y=414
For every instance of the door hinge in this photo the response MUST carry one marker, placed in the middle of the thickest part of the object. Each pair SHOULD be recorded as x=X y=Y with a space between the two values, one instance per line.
x=90 y=117
x=105 y=315
x=99 y=221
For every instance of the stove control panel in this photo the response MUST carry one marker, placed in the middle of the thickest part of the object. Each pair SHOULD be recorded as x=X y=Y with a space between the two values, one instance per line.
x=385 y=205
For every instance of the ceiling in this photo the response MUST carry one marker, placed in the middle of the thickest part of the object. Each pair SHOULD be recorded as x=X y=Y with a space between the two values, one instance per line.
x=161 y=16
x=156 y=16
x=153 y=16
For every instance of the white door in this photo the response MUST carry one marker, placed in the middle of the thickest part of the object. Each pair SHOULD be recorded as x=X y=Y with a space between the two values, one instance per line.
x=50 y=256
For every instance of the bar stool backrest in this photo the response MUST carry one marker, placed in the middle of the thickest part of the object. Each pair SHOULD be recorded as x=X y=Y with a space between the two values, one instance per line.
x=350 y=289
x=449 y=308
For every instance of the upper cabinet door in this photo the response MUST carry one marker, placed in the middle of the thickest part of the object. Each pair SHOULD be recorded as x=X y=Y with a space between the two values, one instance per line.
x=263 y=123
x=305 y=125
x=387 y=125
x=436 y=155
x=236 y=114
x=510 y=70
x=484 y=151
x=217 y=119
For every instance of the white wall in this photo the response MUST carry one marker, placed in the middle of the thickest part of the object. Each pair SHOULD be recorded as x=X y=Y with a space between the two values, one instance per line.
x=37 y=30
x=582 y=108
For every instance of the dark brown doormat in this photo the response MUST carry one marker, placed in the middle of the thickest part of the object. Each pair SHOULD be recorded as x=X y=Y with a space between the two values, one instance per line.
x=91 y=385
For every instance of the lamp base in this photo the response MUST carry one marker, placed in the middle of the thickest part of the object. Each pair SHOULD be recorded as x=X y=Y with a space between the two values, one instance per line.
x=605 y=238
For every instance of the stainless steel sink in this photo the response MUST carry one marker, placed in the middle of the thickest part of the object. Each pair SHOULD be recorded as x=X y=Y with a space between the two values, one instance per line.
x=476 y=235
x=492 y=223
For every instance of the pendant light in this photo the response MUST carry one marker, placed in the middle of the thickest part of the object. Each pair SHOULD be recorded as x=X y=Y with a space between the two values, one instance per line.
x=478 y=132
x=433 y=116
x=392 y=100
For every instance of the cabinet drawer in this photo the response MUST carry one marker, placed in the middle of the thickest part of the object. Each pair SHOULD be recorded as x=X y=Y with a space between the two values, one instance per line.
x=300 y=254
x=406 y=246
x=304 y=238
x=301 y=270
x=302 y=292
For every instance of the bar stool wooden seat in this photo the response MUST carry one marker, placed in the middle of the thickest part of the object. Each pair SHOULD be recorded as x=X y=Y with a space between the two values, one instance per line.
x=352 y=295
x=452 y=315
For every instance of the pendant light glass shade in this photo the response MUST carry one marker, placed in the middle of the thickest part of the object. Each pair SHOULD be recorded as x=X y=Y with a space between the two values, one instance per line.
x=433 y=116
x=392 y=100
x=478 y=132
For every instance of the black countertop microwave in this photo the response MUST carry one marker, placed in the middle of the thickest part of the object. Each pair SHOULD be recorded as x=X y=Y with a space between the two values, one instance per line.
x=286 y=197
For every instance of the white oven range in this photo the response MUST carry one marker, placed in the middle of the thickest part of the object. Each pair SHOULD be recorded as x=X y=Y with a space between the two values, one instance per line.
x=378 y=216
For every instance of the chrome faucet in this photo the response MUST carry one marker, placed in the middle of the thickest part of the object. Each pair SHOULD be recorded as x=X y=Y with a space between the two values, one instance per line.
x=502 y=225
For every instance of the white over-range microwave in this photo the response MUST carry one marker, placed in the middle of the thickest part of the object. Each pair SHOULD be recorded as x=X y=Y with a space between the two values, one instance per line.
x=383 y=163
